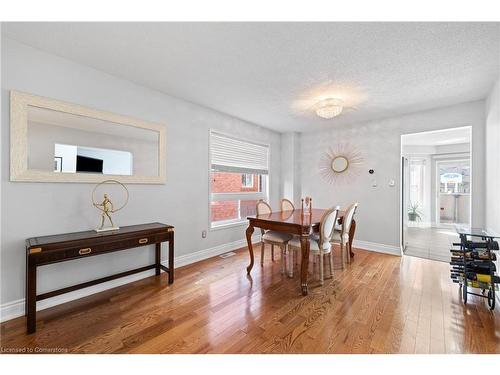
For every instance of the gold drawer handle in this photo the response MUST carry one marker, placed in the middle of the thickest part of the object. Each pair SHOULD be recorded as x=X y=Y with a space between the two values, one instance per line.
x=87 y=250
x=143 y=240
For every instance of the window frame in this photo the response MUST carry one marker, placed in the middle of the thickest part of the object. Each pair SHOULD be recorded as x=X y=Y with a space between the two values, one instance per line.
x=244 y=185
x=234 y=196
x=421 y=186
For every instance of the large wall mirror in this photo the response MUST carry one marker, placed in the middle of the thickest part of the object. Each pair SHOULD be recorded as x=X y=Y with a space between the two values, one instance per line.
x=54 y=141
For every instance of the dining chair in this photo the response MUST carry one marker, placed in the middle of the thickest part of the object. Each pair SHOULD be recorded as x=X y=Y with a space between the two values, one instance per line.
x=341 y=236
x=287 y=205
x=320 y=244
x=271 y=237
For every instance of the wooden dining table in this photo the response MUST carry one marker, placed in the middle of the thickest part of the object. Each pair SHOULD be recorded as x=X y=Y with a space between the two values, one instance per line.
x=294 y=222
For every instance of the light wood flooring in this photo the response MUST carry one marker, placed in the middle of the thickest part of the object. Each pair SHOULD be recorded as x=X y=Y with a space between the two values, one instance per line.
x=378 y=304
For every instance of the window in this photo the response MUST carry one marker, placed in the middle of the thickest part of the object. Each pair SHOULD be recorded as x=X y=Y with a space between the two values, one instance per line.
x=238 y=178
x=417 y=182
x=247 y=180
x=454 y=177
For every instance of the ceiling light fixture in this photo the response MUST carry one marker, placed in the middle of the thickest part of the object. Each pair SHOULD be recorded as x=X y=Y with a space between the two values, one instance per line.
x=329 y=108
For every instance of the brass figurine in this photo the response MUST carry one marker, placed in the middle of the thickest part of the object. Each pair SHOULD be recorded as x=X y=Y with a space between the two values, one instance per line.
x=107 y=207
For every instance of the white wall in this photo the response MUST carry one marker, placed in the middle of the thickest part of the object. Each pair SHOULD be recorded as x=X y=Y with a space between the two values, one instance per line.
x=493 y=159
x=379 y=209
x=290 y=167
x=35 y=209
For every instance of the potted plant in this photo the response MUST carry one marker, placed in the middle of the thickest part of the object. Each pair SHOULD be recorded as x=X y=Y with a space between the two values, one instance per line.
x=414 y=212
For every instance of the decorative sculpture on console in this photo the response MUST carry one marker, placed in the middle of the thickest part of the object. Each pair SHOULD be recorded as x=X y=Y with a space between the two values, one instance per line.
x=107 y=207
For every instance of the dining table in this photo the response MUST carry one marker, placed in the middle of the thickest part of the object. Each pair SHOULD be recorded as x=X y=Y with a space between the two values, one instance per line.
x=296 y=222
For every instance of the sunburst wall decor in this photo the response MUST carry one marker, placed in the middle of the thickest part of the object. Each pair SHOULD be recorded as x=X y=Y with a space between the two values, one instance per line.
x=340 y=163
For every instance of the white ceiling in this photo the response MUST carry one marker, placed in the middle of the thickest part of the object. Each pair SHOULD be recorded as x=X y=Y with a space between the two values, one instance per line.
x=273 y=73
x=438 y=138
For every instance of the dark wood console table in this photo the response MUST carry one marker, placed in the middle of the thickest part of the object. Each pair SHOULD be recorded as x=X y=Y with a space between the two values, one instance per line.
x=62 y=247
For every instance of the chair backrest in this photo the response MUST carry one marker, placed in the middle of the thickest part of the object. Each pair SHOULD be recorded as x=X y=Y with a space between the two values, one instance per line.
x=263 y=208
x=327 y=225
x=287 y=205
x=347 y=219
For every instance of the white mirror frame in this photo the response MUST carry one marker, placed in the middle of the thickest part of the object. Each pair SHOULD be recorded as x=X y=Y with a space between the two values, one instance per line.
x=19 y=171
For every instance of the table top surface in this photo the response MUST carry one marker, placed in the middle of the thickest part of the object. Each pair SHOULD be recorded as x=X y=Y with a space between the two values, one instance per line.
x=90 y=234
x=475 y=232
x=295 y=217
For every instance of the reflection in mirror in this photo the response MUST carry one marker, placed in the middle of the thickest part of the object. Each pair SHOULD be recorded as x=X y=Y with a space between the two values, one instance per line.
x=66 y=143
x=340 y=164
x=78 y=159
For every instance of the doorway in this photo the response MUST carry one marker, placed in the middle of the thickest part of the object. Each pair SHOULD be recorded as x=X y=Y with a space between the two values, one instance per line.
x=435 y=190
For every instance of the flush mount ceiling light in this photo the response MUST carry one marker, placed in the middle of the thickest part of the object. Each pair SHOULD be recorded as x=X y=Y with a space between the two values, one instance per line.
x=329 y=108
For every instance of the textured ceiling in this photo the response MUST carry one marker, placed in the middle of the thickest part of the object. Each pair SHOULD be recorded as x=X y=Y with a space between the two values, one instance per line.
x=273 y=73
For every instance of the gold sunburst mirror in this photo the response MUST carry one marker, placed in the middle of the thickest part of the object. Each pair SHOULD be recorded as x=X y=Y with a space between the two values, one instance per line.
x=340 y=163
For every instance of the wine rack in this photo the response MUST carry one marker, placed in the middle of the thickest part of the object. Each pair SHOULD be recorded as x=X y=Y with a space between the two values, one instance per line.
x=472 y=263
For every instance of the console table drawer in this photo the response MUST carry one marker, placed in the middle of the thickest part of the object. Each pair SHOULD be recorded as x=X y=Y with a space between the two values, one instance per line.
x=85 y=250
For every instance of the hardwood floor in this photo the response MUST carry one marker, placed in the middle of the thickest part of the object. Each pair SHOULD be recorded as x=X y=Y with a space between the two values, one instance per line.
x=378 y=304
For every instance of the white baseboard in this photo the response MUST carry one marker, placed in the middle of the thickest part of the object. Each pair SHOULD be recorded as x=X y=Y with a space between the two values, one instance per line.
x=184 y=260
x=14 y=309
x=377 y=247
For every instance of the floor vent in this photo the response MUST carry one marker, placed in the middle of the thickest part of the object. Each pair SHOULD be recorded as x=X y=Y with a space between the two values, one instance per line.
x=227 y=255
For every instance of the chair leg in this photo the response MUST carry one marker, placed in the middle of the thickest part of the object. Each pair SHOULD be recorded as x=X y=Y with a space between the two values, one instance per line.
x=321 y=275
x=282 y=260
x=262 y=254
x=342 y=255
x=291 y=254
x=348 y=253
x=331 y=263
x=272 y=253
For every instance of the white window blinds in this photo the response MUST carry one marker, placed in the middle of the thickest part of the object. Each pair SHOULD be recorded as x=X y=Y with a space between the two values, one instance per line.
x=229 y=154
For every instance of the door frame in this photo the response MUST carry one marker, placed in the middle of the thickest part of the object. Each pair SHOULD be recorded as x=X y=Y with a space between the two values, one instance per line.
x=471 y=157
x=404 y=217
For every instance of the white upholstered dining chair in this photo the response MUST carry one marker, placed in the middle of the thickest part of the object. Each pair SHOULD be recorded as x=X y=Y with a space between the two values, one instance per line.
x=319 y=244
x=272 y=237
x=342 y=236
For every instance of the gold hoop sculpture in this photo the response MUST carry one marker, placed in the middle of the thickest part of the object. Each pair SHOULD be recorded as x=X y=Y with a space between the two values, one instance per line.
x=340 y=163
x=107 y=207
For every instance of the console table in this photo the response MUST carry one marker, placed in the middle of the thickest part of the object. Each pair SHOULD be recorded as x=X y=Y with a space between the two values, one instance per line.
x=45 y=250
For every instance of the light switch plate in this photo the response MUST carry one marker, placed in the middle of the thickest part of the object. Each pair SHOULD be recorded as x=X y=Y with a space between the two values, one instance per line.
x=391 y=183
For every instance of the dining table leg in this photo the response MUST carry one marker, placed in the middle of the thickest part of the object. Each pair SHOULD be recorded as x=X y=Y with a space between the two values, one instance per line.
x=304 y=247
x=249 y=233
